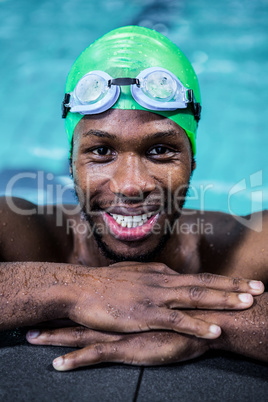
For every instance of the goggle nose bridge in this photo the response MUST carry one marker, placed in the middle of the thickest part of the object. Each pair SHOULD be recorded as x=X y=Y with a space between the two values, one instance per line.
x=124 y=82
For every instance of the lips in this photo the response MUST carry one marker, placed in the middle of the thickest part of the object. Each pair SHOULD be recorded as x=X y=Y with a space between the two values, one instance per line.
x=130 y=227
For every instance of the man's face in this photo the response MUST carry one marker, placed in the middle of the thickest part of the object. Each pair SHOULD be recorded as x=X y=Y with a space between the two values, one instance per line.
x=131 y=170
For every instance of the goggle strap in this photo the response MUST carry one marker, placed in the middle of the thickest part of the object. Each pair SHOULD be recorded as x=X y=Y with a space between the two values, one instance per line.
x=196 y=106
x=123 y=81
x=197 y=111
x=65 y=105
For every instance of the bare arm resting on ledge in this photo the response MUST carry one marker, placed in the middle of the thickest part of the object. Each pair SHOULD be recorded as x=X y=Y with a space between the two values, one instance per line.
x=125 y=309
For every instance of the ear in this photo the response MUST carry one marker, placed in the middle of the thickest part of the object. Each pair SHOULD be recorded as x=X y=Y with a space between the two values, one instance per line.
x=71 y=165
x=193 y=164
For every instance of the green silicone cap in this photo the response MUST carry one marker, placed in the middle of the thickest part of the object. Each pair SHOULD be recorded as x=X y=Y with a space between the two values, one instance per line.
x=125 y=52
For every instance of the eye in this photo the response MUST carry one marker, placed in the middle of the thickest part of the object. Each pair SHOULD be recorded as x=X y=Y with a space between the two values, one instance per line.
x=102 y=151
x=159 y=150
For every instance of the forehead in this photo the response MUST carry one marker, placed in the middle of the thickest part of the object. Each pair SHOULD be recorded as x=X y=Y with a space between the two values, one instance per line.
x=128 y=125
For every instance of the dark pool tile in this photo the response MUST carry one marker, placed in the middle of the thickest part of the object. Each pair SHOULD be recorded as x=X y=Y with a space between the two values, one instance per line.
x=26 y=374
x=215 y=378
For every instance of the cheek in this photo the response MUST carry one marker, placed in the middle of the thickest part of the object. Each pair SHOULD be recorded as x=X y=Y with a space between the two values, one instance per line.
x=90 y=179
x=173 y=177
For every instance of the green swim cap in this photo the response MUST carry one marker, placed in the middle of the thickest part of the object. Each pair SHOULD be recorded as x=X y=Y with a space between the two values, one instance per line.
x=125 y=52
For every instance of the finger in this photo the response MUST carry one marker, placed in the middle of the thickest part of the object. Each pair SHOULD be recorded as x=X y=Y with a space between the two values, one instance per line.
x=216 y=282
x=152 y=348
x=181 y=322
x=202 y=297
x=78 y=336
x=89 y=355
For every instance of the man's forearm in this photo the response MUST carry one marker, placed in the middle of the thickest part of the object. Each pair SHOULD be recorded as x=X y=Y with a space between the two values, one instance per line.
x=31 y=292
x=244 y=332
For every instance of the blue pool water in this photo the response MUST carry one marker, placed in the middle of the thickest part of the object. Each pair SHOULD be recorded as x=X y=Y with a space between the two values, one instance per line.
x=227 y=42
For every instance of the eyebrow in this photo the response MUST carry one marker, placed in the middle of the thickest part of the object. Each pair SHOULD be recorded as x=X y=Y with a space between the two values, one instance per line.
x=160 y=134
x=100 y=134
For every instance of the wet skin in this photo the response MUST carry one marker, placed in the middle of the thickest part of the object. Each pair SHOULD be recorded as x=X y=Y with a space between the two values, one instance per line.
x=131 y=163
x=133 y=312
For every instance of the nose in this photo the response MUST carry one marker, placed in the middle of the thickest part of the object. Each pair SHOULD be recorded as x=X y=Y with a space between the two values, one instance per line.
x=131 y=178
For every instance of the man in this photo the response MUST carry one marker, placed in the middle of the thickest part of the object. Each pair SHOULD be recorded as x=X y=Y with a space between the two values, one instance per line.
x=139 y=286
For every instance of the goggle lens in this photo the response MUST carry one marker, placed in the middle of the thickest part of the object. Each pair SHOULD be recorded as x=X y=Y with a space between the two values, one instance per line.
x=91 y=89
x=160 y=86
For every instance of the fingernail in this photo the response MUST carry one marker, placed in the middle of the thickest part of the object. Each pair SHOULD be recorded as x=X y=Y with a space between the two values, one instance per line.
x=214 y=329
x=58 y=362
x=33 y=333
x=245 y=298
x=257 y=285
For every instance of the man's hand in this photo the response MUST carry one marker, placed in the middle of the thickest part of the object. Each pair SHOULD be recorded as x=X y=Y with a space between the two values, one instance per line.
x=146 y=348
x=243 y=332
x=125 y=297
x=132 y=297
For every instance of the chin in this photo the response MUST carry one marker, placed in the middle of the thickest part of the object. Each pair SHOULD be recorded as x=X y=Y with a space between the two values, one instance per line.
x=131 y=251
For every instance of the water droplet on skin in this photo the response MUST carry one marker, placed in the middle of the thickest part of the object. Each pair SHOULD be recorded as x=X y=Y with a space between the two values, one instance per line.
x=4 y=224
x=11 y=239
x=260 y=342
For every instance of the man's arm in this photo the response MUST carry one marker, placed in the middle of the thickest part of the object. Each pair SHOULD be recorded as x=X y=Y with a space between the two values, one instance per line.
x=125 y=297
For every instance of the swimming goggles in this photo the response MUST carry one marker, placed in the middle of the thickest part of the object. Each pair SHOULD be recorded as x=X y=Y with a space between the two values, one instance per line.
x=154 y=88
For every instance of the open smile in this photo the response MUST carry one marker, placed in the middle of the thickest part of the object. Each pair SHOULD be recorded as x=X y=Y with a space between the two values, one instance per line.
x=130 y=227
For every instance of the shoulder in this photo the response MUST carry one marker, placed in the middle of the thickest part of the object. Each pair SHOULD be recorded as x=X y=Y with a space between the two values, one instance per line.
x=234 y=245
x=33 y=232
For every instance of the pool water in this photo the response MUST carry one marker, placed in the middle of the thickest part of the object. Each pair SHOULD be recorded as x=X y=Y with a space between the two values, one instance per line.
x=227 y=43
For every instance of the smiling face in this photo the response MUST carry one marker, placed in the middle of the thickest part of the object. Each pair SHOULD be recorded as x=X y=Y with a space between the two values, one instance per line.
x=131 y=170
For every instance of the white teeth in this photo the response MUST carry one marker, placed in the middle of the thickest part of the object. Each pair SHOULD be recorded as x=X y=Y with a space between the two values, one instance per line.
x=131 y=221
x=128 y=219
x=137 y=218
